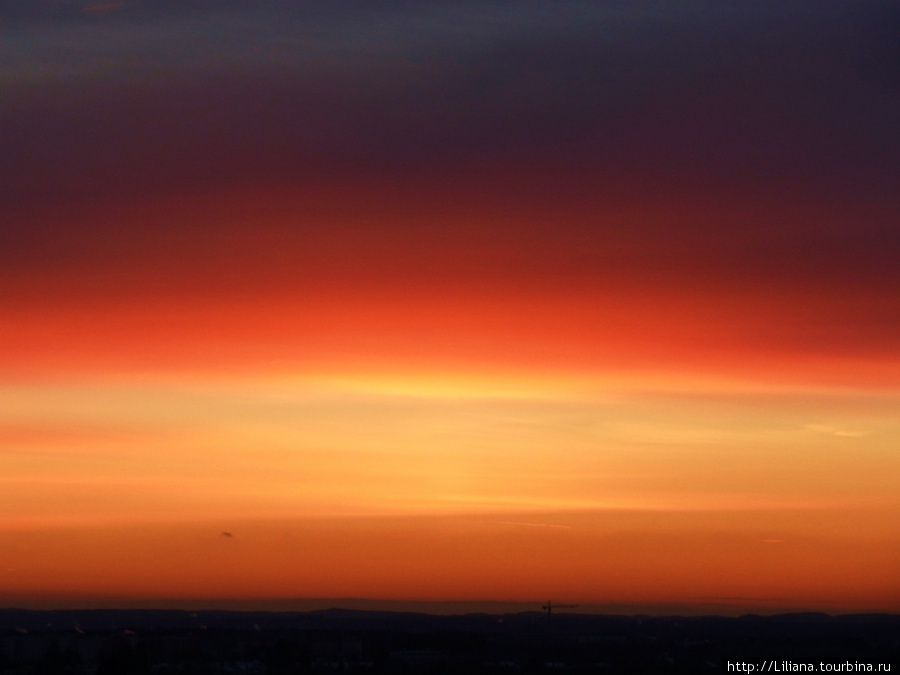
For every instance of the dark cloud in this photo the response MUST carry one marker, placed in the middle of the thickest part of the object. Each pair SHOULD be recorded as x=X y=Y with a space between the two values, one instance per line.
x=786 y=111
x=248 y=93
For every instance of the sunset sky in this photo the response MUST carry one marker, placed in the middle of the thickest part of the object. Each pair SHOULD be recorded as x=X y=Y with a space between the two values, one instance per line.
x=595 y=301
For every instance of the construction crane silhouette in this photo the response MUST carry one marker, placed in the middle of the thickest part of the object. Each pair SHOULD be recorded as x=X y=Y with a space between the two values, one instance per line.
x=550 y=607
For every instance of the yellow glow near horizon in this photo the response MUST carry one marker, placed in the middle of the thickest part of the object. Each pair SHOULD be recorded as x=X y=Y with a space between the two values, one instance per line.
x=366 y=448
x=439 y=487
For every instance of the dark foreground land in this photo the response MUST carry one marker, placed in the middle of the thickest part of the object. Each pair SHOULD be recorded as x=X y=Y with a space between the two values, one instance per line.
x=125 y=642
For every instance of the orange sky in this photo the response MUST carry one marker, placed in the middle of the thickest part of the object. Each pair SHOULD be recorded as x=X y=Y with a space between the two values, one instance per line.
x=280 y=323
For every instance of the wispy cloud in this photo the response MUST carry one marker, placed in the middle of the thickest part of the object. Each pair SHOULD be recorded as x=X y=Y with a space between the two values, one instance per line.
x=526 y=524
x=832 y=430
